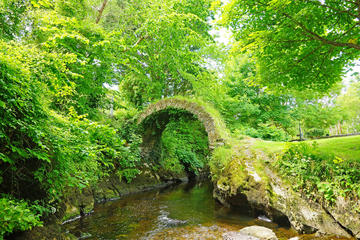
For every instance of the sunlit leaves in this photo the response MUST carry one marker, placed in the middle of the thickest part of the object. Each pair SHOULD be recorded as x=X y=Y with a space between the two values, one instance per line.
x=165 y=54
x=18 y=215
x=11 y=17
x=296 y=44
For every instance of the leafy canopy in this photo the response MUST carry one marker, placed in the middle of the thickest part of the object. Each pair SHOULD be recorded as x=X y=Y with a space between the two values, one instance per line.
x=296 y=44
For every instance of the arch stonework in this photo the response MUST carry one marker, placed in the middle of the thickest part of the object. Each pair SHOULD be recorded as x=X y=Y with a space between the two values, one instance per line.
x=214 y=126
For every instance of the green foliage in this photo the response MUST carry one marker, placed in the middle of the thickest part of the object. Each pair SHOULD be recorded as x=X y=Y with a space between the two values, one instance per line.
x=318 y=174
x=315 y=132
x=220 y=157
x=184 y=145
x=18 y=215
x=165 y=58
x=295 y=44
x=316 y=116
x=227 y=167
x=51 y=86
x=89 y=47
x=11 y=14
x=348 y=108
x=84 y=152
x=40 y=144
x=270 y=131
x=23 y=116
x=247 y=107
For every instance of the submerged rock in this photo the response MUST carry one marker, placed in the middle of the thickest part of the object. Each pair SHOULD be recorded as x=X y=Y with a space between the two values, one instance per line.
x=294 y=238
x=165 y=221
x=251 y=233
x=238 y=236
x=259 y=232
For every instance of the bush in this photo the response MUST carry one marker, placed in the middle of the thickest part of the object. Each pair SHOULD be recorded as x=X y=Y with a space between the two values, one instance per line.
x=83 y=152
x=18 y=215
x=220 y=158
x=330 y=175
x=271 y=132
x=184 y=145
x=315 y=132
x=267 y=132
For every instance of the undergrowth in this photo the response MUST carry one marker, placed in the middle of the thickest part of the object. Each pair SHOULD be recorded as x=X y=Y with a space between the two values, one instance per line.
x=184 y=145
x=320 y=176
x=227 y=169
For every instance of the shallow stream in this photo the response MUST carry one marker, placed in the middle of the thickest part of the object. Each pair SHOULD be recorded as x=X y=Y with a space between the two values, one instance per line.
x=185 y=211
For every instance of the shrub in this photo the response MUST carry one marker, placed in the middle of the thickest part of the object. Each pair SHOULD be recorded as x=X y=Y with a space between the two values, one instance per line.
x=315 y=132
x=220 y=157
x=184 y=145
x=329 y=175
x=18 y=215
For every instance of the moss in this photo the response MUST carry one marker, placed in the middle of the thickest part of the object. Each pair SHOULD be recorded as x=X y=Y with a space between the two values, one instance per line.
x=228 y=169
x=205 y=112
x=219 y=160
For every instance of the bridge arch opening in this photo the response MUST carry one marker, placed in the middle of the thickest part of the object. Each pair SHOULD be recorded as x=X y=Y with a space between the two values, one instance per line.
x=178 y=131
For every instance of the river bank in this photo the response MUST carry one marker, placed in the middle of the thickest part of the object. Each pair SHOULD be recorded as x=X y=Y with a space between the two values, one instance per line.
x=249 y=175
x=246 y=180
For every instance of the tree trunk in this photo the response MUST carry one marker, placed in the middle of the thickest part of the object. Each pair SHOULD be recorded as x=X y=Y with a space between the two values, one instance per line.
x=340 y=130
x=101 y=10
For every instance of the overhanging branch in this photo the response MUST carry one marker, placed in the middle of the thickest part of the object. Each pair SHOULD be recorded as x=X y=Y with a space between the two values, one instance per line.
x=317 y=37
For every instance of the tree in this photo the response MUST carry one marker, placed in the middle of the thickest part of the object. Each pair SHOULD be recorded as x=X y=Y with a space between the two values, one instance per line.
x=316 y=117
x=54 y=59
x=165 y=53
x=296 y=44
x=11 y=17
x=348 y=105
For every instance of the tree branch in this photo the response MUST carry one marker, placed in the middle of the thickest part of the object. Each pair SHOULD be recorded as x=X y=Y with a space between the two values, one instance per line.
x=291 y=41
x=101 y=11
x=336 y=9
x=136 y=43
x=351 y=28
x=308 y=54
x=352 y=2
x=317 y=37
x=323 y=61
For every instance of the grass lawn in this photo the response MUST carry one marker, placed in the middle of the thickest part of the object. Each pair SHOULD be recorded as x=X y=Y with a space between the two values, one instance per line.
x=268 y=146
x=348 y=148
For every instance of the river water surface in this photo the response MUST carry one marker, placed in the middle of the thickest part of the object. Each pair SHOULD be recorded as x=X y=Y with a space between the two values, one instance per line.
x=185 y=211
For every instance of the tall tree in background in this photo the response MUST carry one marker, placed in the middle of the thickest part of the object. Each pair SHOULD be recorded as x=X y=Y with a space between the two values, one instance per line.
x=165 y=53
x=348 y=105
x=296 y=44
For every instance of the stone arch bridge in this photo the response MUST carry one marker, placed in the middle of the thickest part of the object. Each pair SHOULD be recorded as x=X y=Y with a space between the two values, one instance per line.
x=208 y=115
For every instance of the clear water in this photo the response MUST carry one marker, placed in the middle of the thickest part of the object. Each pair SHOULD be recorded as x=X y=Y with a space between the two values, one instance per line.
x=186 y=211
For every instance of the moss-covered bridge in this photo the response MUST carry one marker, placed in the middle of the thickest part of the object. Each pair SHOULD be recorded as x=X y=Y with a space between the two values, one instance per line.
x=204 y=112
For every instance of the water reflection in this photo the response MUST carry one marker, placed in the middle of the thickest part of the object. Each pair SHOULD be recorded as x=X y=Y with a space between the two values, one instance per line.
x=186 y=211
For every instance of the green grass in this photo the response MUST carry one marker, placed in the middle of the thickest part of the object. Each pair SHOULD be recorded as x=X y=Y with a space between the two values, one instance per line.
x=268 y=146
x=348 y=148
